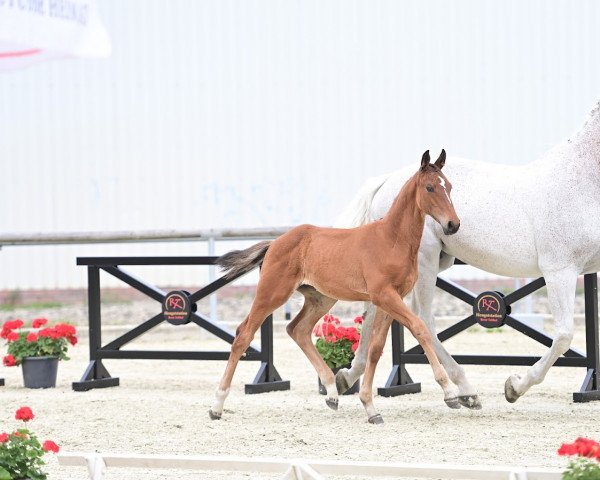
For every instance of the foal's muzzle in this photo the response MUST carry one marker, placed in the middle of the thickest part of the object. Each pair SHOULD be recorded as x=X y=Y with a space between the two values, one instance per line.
x=451 y=228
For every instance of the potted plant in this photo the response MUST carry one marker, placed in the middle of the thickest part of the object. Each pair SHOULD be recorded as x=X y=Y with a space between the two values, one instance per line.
x=21 y=452
x=337 y=344
x=37 y=349
x=585 y=465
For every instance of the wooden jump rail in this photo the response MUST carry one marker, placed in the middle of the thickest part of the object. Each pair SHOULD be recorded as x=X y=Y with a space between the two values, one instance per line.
x=302 y=469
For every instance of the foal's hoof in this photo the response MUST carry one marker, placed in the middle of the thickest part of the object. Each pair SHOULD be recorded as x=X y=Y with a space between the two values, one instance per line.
x=214 y=416
x=452 y=402
x=510 y=393
x=340 y=381
x=332 y=403
x=470 y=401
x=376 y=419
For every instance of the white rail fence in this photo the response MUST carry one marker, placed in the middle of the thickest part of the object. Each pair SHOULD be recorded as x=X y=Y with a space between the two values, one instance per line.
x=302 y=469
x=211 y=236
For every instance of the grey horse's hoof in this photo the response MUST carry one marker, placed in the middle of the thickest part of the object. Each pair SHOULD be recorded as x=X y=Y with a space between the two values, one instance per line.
x=340 y=382
x=332 y=403
x=452 y=402
x=376 y=419
x=510 y=393
x=214 y=416
x=470 y=401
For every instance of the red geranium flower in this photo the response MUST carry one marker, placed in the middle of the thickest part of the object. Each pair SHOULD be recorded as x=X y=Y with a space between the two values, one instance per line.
x=352 y=334
x=65 y=330
x=49 y=333
x=318 y=330
x=38 y=322
x=583 y=447
x=12 y=336
x=9 y=326
x=14 y=324
x=340 y=332
x=9 y=361
x=32 y=337
x=3 y=437
x=25 y=414
x=359 y=320
x=354 y=346
x=50 y=446
x=73 y=340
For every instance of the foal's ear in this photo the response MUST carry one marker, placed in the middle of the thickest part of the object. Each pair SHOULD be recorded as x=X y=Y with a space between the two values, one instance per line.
x=441 y=161
x=425 y=160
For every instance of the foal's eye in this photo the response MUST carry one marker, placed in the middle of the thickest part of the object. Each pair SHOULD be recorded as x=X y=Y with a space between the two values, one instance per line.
x=429 y=188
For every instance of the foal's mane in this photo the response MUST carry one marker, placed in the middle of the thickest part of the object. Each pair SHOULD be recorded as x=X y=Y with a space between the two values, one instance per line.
x=431 y=168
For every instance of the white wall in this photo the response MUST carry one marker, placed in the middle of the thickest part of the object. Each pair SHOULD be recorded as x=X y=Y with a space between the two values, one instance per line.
x=258 y=113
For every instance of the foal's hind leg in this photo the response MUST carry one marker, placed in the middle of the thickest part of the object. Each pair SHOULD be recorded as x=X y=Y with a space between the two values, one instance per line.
x=390 y=301
x=381 y=325
x=272 y=292
x=300 y=328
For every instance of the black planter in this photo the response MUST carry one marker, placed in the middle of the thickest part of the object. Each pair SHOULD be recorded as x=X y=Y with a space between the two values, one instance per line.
x=351 y=391
x=39 y=372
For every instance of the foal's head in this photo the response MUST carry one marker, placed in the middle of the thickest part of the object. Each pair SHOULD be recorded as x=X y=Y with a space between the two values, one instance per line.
x=433 y=193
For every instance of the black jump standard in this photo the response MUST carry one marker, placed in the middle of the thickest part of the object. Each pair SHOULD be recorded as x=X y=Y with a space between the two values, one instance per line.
x=177 y=308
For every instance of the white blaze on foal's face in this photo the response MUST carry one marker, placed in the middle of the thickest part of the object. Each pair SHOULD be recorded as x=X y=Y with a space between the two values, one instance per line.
x=443 y=185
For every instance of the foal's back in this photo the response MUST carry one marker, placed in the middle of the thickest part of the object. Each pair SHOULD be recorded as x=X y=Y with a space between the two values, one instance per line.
x=333 y=260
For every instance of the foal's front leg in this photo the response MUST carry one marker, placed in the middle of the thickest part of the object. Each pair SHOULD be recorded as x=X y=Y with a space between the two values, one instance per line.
x=390 y=301
x=421 y=305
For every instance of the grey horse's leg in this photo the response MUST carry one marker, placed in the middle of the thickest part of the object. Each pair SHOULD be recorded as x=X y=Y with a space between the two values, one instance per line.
x=561 y=297
x=345 y=377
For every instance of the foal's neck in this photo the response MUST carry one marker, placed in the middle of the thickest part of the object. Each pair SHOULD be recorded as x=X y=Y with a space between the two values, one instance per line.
x=404 y=221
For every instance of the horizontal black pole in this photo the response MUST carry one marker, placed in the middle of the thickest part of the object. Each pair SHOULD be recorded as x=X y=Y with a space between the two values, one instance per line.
x=113 y=261
x=496 y=360
x=171 y=355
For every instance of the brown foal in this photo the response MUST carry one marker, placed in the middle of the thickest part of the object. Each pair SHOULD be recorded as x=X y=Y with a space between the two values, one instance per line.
x=376 y=262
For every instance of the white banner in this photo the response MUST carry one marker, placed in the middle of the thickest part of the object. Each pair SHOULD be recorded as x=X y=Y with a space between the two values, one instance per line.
x=35 y=30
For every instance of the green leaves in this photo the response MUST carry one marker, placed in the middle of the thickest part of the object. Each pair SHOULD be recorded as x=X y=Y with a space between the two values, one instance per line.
x=336 y=354
x=582 y=468
x=43 y=346
x=21 y=456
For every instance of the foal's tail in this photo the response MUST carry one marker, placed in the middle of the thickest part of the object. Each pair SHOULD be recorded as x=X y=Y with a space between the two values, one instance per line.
x=357 y=211
x=239 y=262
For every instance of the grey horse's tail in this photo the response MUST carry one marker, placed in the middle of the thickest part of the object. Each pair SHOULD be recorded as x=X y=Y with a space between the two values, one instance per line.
x=239 y=262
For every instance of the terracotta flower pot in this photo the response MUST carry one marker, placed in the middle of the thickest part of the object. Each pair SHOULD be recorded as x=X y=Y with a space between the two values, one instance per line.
x=39 y=372
x=352 y=390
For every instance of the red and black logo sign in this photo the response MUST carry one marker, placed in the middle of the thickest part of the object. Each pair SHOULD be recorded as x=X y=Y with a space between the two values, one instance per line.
x=490 y=309
x=177 y=308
